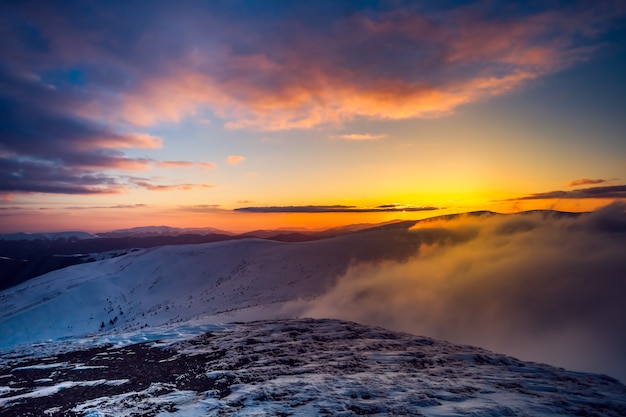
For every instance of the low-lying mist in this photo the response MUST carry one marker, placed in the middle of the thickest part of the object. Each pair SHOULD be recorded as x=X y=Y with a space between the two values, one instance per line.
x=540 y=286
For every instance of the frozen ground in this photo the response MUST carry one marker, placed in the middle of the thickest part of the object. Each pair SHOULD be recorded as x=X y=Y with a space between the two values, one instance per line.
x=290 y=367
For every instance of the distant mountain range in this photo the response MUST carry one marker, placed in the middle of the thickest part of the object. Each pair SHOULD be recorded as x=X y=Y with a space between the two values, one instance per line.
x=151 y=231
x=47 y=236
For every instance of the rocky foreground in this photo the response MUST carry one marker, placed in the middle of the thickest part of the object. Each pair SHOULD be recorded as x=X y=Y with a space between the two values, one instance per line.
x=293 y=367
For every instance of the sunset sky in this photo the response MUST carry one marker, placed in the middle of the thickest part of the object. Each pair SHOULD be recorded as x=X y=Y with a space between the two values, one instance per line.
x=245 y=115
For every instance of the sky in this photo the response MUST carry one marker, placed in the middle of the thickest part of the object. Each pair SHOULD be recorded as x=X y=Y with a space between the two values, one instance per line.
x=247 y=115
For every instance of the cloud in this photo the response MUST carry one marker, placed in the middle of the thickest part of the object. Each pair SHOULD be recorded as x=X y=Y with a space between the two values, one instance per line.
x=169 y=187
x=20 y=176
x=361 y=136
x=383 y=64
x=585 y=181
x=235 y=159
x=305 y=66
x=336 y=209
x=118 y=206
x=185 y=164
x=541 y=286
x=132 y=140
x=203 y=208
x=613 y=191
x=45 y=148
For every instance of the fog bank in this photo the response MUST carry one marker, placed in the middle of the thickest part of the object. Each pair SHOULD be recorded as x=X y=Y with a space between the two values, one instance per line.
x=540 y=286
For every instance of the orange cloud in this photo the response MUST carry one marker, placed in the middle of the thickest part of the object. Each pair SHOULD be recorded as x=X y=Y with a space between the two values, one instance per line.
x=361 y=136
x=139 y=140
x=185 y=164
x=235 y=159
x=316 y=78
x=170 y=187
x=117 y=141
x=119 y=163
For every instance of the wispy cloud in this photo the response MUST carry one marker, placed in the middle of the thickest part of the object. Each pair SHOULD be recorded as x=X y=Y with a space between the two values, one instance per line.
x=235 y=159
x=202 y=208
x=609 y=192
x=131 y=140
x=361 y=136
x=585 y=181
x=185 y=164
x=169 y=187
x=336 y=209
x=118 y=206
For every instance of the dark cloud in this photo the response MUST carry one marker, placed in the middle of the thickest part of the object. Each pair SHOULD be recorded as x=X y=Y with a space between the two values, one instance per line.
x=538 y=286
x=46 y=146
x=585 y=181
x=612 y=191
x=50 y=177
x=46 y=149
x=335 y=209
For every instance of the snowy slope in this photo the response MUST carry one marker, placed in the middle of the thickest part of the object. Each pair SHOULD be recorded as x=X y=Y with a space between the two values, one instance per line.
x=293 y=367
x=169 y=284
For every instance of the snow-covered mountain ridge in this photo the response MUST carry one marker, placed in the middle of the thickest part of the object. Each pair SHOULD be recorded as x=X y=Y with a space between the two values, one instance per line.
x=177 y=283
x=293 y=367
x=24 y=256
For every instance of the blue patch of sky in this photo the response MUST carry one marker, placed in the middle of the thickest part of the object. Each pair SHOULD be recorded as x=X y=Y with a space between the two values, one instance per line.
x=65 y=78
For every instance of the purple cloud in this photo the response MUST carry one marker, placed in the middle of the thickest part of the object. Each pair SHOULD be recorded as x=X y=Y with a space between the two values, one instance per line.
x=612 y=191
x=585 y=181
